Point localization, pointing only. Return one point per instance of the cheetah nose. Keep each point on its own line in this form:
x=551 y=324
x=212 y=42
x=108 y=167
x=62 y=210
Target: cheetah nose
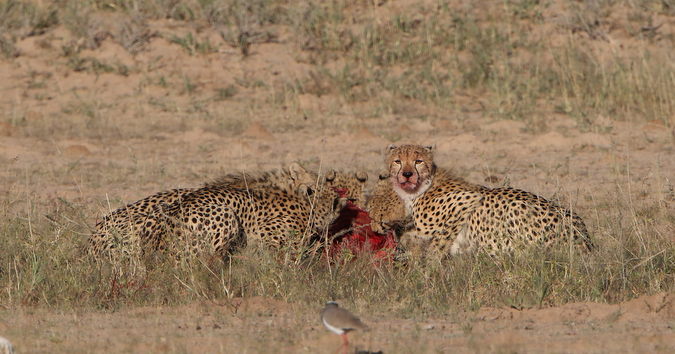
x=407 y=174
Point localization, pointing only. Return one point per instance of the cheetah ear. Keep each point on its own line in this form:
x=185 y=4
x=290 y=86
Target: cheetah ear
x=430 y=148
x=330 y=176
x=297 y=171
x=362 y=176
x=391 y=147
x=383 y=176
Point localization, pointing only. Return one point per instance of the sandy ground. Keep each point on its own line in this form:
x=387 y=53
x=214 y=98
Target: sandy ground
x=98 y=140
x=646 y=324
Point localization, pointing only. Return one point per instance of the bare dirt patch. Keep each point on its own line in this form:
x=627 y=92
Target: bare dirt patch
x=258 y=324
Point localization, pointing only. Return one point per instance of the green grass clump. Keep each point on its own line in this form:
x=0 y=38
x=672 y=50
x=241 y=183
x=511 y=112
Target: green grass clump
x=192 y=45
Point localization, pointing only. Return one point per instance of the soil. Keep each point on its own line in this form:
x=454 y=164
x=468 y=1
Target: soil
x=645 y=324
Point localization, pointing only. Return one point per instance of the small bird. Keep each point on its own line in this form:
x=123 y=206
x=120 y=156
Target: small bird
x=340 y=321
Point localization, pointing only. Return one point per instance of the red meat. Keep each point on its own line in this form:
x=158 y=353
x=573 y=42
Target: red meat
x=359 y=238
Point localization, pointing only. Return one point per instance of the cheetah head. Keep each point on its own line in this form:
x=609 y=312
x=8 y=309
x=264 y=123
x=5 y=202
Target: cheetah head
x=354 y=184
x=326 y=203
x=411 y=168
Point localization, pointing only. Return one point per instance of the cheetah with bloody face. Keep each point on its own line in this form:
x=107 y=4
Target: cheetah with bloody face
x=353 y=184
x=456 y=216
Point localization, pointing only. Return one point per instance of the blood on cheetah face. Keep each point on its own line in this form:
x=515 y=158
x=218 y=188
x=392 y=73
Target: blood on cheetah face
x=410 y=166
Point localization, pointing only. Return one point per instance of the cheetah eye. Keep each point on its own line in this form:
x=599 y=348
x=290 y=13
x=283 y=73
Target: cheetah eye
x=418 y=161
x=397 y=161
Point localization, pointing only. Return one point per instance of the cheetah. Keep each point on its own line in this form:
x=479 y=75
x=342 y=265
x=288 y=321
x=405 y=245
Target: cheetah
x=217 y=220
x=148 y=224
x=354 y=184
x=271 y=220
x=385 y=208
x=128 y=231
x=456 y=216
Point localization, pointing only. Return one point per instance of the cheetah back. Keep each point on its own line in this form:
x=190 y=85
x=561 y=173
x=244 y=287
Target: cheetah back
x=289 y=179
x=509 y=219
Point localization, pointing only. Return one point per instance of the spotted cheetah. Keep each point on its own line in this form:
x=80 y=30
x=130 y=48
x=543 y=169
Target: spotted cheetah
x=220 y=219
x=265 y=217
x=353 y=183
x=456 y=216
x=127 y=231
x=385 y=207
x=148 y=224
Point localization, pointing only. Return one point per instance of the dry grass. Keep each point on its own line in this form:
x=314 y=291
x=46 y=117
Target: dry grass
x=436 y=54
x=43 y=264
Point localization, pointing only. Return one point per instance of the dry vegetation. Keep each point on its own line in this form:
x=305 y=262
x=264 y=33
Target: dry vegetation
x=104 y=102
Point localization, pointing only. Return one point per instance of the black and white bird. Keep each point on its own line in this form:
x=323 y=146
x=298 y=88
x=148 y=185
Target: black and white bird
x=340 y=321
